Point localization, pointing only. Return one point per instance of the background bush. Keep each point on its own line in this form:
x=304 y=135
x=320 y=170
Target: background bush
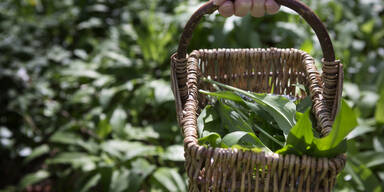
x=85 y=98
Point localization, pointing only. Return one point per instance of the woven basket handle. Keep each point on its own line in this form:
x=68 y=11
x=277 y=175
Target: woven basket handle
x=302 y=9
x=332 y=69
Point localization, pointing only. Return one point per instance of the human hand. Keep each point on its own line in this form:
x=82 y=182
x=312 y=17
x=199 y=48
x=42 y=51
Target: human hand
x=240 y=8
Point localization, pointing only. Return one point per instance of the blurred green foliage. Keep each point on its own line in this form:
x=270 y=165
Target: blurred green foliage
x=85 y=96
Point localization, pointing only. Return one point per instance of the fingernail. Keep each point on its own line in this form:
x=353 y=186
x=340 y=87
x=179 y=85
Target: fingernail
x=272 y=7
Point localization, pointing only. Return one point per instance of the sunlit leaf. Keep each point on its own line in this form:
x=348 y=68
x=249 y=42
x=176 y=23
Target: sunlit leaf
x=37 y=152
x=76 y=159
x=170 y=179
x=280 y=108
x=234 y=138
x=212 y=139
x=379 y=114
x=91 y=183
x=103 y=128
x=174 y=153
x=126 y=150
x=344 y=123
x=33 y=178
x=300 y=138
x=118 y=120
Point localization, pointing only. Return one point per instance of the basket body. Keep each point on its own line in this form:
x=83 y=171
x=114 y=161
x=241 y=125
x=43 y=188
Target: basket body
x=271 y=70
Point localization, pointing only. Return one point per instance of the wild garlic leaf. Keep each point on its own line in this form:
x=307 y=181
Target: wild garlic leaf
x=207 y=119
x=235 y=138
x=379 y=113
x=302 y=141
x=236 y=116
x=280 y=108
x=230 y=95
x=300 y=137
x=212 y=139
x=231 y=120
x=265 y=134
x=333 y=143
x=304 y=104
x=200 y=121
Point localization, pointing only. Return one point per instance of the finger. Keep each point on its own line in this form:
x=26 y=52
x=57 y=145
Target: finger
x=226 y=9
x=271 y=6
x=242 y=7
x=258 y=9
x=218 y=2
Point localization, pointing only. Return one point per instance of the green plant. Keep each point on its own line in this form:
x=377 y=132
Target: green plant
x=239 y=117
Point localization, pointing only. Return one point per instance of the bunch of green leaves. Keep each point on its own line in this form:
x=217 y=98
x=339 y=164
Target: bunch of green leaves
x=301 y=139
x=238 y=117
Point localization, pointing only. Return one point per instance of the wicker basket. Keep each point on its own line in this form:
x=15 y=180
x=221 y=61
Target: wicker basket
x=264 y=71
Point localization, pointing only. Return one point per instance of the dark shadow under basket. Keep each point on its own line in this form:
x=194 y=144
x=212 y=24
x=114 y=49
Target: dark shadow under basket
x=271 y=70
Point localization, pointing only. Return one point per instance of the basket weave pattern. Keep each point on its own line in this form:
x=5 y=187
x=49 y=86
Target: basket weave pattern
x=264 y=71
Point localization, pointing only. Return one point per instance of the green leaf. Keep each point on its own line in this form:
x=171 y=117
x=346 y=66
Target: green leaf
x=37 y=152
x=118 y=120
x=124 y=179
x=106 y=95
x=212 y=139
x=378 y=144
x=265 y=130
x=69 y=138
x=82 y=72
x=170 y=179
x=304 y=104
x=307 y=46
x=235 y=117
x=302 y=141
x=125 y=150
x=279 y=107
x=208 y=120
x=363 y=176
x=162 y=91
x=223 y=95
x=371 y=158
x=143 y=133
x=360 y=130
x=120 y=180
x=379 y=114
x=300 y=137
x=33 y=178
x=91 y=183
x=103 y=128
x=174 y=153
x=65 y=137
x=320 y=151
x=200 y=120
x=249 y=139
x=140 y=170
x=344 y=123
x=351 y=91
x=367 y=27
x=231 y=120
x=78 y=160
